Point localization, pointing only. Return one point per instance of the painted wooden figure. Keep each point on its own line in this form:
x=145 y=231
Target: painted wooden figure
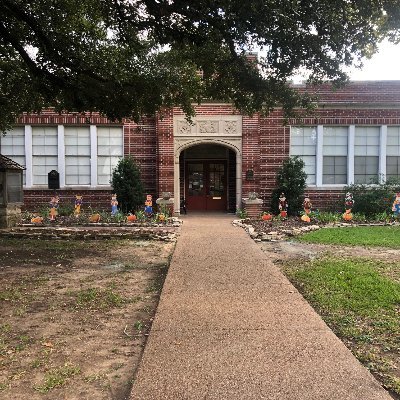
x=148 y=209
x=54 y=202
x=283 y=205
x=78 y=204
x=396 y=206
x=114 y=204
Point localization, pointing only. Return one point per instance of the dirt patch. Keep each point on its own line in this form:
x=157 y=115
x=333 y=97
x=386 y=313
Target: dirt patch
x=75 y=315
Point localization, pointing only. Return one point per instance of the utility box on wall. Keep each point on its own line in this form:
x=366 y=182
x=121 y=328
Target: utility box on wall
x=11 y=192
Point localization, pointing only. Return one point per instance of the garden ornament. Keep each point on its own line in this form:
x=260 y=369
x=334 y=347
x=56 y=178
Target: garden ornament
x=78 y=203
x=114 y=204
x=283 y=205
x=348 y=203
x=148 y=209
x=53 y=207
x=396 y=206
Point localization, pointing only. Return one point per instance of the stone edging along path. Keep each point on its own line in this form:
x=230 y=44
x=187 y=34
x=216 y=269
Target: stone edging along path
x=166 y=233
x=276 y=233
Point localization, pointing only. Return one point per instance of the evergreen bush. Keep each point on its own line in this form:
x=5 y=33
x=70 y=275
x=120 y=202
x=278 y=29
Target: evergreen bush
x=127 y=185
x=371 y=200
x=291 y=180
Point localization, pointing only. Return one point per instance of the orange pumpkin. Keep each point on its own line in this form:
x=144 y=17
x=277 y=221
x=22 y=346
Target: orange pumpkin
x=37 y=220
x=94 y=218
x=131 y=218
x=266 y=217
x=283 y=214
x=347 y=216
x=305 y=218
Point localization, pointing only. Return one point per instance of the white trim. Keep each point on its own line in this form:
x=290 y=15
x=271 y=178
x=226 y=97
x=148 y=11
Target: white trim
x=61 y=154
x=350 y=154
x=382 y=153
x=28 y=156
x=319 y=163
x=93 y=156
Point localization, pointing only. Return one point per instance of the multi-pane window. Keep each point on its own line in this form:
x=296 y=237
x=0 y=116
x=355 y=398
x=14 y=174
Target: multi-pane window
x=77 y=155
x=393 y=152
x=335 y=155
x=366 y=154
x=12 y=145
x=44 y=153
x=303 y=142
x=109 y=151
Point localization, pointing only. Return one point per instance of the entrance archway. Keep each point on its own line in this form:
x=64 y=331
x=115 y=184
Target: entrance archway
x=207 y=175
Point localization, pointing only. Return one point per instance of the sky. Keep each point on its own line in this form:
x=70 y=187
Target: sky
x=384 y=65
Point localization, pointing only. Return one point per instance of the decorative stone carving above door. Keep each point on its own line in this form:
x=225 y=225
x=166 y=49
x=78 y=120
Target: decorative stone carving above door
x=212 y=126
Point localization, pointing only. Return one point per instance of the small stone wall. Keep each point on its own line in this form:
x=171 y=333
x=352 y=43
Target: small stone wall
x=165 y=233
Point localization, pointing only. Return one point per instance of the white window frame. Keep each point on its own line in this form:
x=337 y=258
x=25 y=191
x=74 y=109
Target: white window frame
x=350 y=156
x=61 y=159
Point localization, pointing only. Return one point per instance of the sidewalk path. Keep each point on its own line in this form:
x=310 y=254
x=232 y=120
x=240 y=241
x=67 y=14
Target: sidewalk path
x=230 y=326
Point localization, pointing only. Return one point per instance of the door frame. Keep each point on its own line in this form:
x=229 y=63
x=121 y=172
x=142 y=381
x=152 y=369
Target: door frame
x=210 y=204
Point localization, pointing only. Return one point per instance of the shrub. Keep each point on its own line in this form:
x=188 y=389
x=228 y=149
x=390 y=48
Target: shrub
x=291 y=180
x=127 y=185
x=373 y=199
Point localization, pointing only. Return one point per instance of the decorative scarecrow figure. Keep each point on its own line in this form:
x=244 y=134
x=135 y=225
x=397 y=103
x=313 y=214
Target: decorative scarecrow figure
x=114 y=204
x=148 y=209
x=283 y=205
x=78 y=203
x=396 y=206
x=54 y=202
x=349 y=204
x=307 y=209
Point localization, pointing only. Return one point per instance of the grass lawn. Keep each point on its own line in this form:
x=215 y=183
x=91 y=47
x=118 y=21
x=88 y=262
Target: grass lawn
x=382 y=236
x=360 y=300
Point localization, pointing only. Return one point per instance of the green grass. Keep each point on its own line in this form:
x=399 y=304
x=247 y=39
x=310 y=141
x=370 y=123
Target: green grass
x=381 y=236
x=57 y=377
x=360 y=304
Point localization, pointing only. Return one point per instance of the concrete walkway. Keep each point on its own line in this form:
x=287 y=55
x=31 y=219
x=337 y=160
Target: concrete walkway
x=230 y=326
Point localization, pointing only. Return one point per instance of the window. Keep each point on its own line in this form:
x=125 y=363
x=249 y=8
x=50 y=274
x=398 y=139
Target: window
x=77 y=155
x=335 y=155
x=109 y=151
x=393 y=152
x=13 y=145
x=303 y=143
x=44 y=153
x=366 y=154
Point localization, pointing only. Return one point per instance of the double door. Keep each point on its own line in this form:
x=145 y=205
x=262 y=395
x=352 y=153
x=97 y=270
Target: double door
x=206 y=186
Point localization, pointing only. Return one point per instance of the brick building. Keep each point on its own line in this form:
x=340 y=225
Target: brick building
x=353 y=136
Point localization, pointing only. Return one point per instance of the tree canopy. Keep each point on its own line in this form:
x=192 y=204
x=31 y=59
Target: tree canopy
x=128 y=58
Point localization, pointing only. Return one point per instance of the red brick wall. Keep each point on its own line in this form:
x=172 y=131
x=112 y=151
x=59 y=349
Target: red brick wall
x=98 y=200
x=266 y=140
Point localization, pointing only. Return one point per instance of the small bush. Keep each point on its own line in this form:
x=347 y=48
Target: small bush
x=127 y=185
x=291 y=180
x=371 y=200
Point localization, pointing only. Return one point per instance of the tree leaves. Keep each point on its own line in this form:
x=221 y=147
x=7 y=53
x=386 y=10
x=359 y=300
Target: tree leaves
x=128 y=58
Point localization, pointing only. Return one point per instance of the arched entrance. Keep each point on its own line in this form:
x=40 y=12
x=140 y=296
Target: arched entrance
x=207 y=176
x=208 y=162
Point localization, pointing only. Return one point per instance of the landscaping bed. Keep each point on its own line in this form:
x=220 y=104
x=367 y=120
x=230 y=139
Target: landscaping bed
x=75 y=314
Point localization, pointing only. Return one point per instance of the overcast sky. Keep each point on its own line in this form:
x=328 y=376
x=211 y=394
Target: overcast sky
x=384 y=65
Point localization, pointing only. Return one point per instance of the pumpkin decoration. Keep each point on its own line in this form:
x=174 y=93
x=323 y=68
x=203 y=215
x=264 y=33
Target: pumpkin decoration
x=283 y=214
x=305 y=218
x=161 y=217
x=347 y=216
x=266 y=217
x=131 y=217
x=37 y=220
x=94 y=218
